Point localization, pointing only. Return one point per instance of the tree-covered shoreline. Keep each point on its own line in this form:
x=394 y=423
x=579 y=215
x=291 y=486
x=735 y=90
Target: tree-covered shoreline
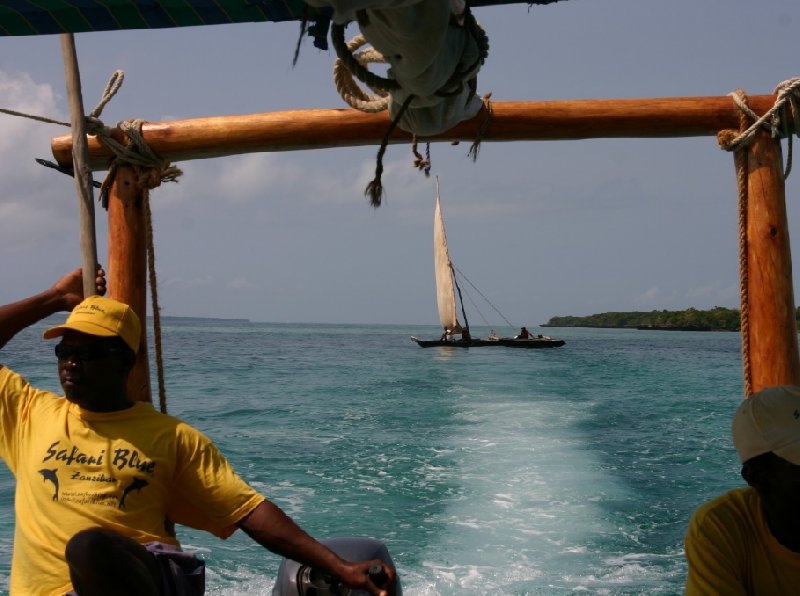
x=717 y=319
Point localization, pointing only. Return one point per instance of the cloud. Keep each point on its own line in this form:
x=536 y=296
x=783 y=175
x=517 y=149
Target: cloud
x=249 y=178
x=702 y=297
x=650 y=295
x=202 y=281
x=37 y=205
x=20 y=136
x=21 y=93
x=23 y=226
x=240 y=283
x=238 y=180
x=654 y=298
x=713 y=294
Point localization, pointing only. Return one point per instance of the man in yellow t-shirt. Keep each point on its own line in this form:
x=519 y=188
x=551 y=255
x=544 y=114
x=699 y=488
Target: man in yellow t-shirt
x=101 y=480
x=747 y=541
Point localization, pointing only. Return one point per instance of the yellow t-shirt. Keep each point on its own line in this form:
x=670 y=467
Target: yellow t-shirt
x=135 y=471
x=731 y=551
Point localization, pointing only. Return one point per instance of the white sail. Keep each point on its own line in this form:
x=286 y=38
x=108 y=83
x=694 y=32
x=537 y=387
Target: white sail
x=445 y=292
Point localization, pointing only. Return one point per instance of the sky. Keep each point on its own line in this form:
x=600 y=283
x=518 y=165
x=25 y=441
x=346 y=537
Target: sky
x=542 y=228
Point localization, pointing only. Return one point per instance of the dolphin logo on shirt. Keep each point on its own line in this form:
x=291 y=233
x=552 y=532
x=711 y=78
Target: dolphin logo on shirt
x=52 y=477
x=136 y=485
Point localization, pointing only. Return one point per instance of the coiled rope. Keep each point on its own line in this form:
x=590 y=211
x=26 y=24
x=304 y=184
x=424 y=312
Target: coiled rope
x=348 y=89
x=350 y=63
x=344 y=53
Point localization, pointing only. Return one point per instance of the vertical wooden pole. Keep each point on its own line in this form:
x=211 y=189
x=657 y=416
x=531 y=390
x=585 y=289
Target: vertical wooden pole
x=127 y=266
x=80 y=160
x=773 y=330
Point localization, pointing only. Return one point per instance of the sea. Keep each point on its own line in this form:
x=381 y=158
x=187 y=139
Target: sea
x=491 y=470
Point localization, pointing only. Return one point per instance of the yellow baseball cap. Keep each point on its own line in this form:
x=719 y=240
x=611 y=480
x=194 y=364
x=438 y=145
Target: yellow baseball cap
x=769 y=421
x=104 y=317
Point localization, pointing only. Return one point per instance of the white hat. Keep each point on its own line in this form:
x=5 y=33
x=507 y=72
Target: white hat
x=769 y=421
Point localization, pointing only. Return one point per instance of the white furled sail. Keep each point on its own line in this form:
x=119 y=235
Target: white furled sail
x=445 y=291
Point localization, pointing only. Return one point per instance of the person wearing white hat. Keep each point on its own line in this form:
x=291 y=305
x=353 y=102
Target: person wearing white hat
x=747 y=541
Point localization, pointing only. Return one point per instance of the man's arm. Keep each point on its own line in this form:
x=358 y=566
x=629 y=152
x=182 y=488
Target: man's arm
x=273 y=529
x=65 y=294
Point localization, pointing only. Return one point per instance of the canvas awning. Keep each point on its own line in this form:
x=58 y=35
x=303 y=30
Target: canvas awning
x=47 y=17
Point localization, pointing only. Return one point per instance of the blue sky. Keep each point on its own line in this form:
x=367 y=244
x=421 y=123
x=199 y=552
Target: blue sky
x=542 y=228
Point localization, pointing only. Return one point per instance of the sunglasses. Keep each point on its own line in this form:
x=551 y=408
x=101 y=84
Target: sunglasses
x=84 y=353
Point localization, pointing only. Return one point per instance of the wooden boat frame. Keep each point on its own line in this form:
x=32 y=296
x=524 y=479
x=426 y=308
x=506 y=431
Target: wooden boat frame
x=770 y=354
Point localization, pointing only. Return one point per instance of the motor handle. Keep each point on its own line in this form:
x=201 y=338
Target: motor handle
x=378 y=576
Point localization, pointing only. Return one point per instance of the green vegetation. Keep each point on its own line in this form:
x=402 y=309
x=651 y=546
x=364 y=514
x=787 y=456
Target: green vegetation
x=716 y=319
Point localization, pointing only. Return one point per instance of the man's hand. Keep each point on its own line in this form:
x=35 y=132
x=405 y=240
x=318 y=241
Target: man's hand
x=70 y=287
x=65 y=294
x=356 y=575
x=269 y=525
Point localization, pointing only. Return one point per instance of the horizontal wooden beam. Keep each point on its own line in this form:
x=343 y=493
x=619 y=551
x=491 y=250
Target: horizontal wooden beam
x=219 y=136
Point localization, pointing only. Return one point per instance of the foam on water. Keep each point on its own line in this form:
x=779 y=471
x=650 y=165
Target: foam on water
x=487 y=471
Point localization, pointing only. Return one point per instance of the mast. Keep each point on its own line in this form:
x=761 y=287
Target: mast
x=465 y=329
x=127 y=266
x=772 y=339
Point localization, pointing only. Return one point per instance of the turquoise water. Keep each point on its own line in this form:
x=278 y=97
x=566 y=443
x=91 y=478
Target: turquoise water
x=485 y=471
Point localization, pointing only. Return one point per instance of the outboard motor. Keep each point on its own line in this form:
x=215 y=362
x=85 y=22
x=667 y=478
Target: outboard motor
x=295 y=579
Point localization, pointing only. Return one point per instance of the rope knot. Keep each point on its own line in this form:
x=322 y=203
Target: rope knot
x=726 y=137
x=151 y=169
x=775 y=120
x=421 y=163
x=476 y=144
x=152 y=177
x=95 y=126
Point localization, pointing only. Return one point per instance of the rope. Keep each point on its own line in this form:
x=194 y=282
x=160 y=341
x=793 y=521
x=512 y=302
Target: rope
x=421 y=163
x=476 y=144
x=349 y=90
x=478 y=310
x=374 y=189
x=150 y=169
x=113 y=85
x=726 y=138
x=303 y=30
x=349 y=64
x=788 y=93
x=474 y=287
x=34 y=117
x=151 y=268
x=371 y=80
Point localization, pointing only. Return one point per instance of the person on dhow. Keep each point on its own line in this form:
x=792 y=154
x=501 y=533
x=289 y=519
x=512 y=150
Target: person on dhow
x=101 y=480
x=747 y=541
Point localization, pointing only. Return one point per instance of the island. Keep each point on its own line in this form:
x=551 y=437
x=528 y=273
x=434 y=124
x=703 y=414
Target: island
x=718 y=318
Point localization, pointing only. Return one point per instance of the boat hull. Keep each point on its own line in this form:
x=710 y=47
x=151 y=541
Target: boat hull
x=535 y=342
